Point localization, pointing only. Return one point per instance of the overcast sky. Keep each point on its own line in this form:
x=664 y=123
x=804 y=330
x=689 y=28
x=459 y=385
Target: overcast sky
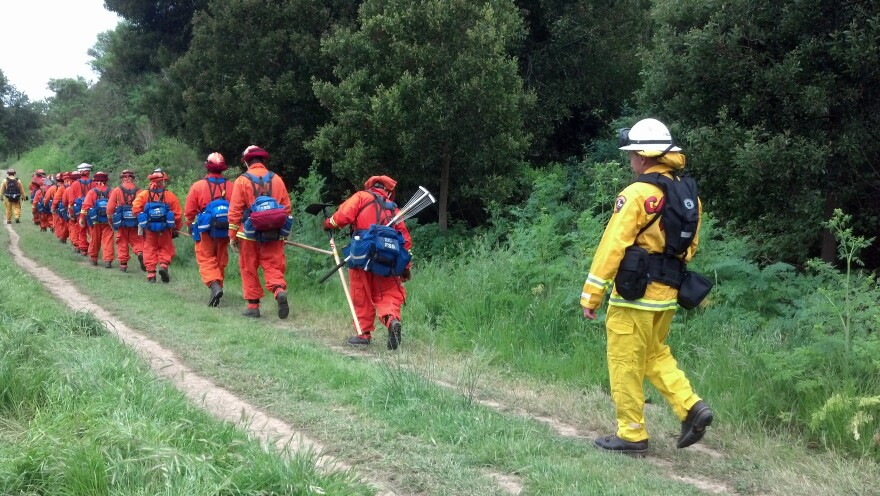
x=48 y=39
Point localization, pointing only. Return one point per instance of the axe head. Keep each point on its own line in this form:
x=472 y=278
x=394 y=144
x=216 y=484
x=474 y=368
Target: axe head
x=316 y=208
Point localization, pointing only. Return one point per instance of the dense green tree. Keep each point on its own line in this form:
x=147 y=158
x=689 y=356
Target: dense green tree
x=428 y=93
x=777 y=101
x=247 y=76
x=582 y=61
x=20 y=120
x=166 y=21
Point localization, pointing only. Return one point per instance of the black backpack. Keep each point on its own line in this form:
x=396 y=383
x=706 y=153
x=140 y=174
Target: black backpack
x=12 y=192
x=680 y=210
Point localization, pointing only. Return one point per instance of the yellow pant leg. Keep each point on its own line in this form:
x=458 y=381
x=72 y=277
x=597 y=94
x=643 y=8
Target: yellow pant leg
x=16 y=207
x=7 y=206
x=627 y=330
x=662 y=369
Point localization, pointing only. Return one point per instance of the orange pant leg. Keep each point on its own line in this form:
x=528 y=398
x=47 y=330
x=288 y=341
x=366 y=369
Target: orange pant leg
x=151 y=250
x=94 y=242
x=106 y=239
x=360 y=285
x=62 y=229
x=74 y=229
x=122 y=252
x=212 y=257
x=83 y=240
x=249 y=265
x=45 y=221
x=388 y=296
x=165 y=247
x=274 y=264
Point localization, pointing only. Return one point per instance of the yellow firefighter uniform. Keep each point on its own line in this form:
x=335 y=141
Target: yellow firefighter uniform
x=637 y=329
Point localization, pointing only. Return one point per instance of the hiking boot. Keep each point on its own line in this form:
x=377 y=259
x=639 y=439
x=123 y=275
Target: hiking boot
x=94 y=262
x=216 y=294
x=163 y=273
x=253 y=313
x=283 y=307
x=62 y=241
x=123 y=268
x=107 y=265
x=615 y=444
x=394 y=334
x=694 y=426
x=360 y=339
x=141 y=260
x=17 y=221
x=9 y=222
x=151 y=280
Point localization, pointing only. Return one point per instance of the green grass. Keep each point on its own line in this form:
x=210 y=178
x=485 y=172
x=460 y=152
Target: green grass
x=81 y=414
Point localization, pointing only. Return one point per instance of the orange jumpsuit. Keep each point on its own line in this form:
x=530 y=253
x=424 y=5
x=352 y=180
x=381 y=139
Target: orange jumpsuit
x=61 y=231
x=158 y=246
x=48 y=219
x=101 y=232
x=79 y=236
x=371 y=294
x=36 y=184
x=254 y=255
x=125 y=236
x=212 y=255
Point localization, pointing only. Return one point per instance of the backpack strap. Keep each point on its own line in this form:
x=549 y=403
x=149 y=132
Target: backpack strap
x=216 y=184
x=260 y=183
x=128 y=195
x=156 y=195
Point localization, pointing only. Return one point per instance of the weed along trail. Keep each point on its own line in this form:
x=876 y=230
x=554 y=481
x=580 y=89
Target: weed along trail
x=200 y=390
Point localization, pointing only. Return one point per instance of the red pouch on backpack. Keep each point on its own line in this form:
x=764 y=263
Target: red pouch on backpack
x=268 y=220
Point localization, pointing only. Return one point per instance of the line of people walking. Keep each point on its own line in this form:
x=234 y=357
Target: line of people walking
x=250 y=215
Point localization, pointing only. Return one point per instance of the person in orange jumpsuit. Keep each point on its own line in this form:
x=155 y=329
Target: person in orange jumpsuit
x=101 y=231
x=373 y=294
x=37 y=202
x=159 y=245
x=127 y=238
x=49 y=215
x=36 y=184
x=60 y=210
x=212 y=253
x=253 y=255
x=79 y=235
x=67 y=199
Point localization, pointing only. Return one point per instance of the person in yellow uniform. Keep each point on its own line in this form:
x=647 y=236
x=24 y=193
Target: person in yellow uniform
x=637 y=326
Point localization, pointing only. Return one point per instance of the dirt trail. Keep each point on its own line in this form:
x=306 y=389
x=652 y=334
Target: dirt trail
x=200 y=390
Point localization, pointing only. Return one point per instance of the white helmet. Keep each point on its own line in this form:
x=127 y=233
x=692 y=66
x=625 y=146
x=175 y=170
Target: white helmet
x=648 y=135
x=84 y=166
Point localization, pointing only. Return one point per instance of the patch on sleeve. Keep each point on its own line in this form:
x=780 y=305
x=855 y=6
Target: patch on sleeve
x=619 y=203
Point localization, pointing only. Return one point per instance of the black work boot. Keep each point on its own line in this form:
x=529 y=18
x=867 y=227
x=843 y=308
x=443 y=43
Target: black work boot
x=141 y=260
x=394 y=329
x=163 y=273
x=123 y=268
x=216 y=294
x=615 y=444
x=108 y=265
x=94 y=262
x=253 y=313
x=694 y=426
x=283 y=307
x=360 y=339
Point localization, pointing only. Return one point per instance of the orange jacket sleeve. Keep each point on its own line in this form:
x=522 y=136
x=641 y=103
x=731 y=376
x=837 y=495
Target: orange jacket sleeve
x=137 y=206
x=88 y=203
x=113 y=199
x=174 y=204
x=195 y=200
x=59 y=193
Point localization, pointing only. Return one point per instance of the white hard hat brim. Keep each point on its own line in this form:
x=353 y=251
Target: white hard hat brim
x=649 y=147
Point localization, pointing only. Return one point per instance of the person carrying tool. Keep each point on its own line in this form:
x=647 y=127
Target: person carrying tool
x=12 y=190
x=36 y=184
x=207 y=211
x=68 y=198
x=373 y=294
x=124 y=221
x=60 y=210
x=78 y=195
x=94 y=214
x=160 y=218
x=635 y=256
x=49 y=215
x=259 y=222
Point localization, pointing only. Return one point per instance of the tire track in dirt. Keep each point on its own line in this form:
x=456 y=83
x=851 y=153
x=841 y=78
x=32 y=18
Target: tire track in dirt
x=219 y=402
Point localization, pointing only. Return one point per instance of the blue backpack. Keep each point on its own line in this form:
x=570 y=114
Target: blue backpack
x=157 y=216
x=78 y=203
x=98 y=213
x=214 y=219
x=379 y=249
x=266 y=219
x=123 y=216
x=61 y=211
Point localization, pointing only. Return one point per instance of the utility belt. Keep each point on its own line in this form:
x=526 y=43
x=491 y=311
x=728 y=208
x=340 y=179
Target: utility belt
x=638 y=268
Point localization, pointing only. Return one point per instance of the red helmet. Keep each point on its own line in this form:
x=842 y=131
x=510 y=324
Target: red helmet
x=65 y=175
x=40 y=172
x=158 y=175
x=59 y=176
x=126 y=173
x=75 y=174
x=254 y=151
x=215 y=163
x=101 y=177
